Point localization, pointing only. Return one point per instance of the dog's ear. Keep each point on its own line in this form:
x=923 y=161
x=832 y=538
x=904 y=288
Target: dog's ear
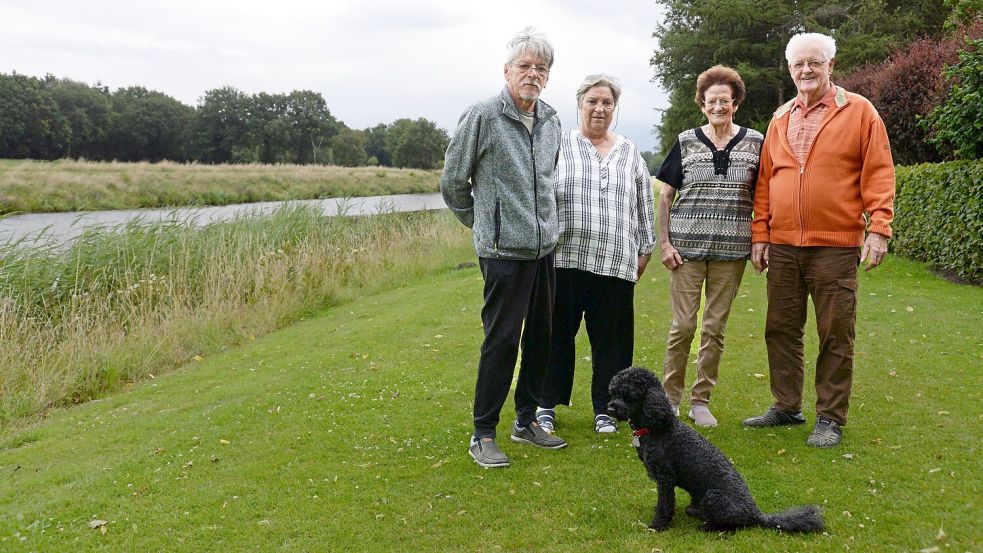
x=657 y=414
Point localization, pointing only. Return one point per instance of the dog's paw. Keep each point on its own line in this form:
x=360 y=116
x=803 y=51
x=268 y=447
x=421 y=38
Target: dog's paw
x=659 y=525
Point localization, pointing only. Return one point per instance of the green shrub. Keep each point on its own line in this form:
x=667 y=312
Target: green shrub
x=939 y=216
x=957 y=122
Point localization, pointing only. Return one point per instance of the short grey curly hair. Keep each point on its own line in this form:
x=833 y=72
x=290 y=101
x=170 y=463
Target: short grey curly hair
x=590 y=81
x=825 y=42
x=530 y=41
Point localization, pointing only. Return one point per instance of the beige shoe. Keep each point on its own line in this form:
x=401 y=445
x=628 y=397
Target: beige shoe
x=702 y=416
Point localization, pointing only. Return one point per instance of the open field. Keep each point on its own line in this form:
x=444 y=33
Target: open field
x=45 y=186
x=347 y=432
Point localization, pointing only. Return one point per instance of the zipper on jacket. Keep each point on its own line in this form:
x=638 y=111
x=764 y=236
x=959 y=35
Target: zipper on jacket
x=802 y=193
x=498 y=221
x=535 y=192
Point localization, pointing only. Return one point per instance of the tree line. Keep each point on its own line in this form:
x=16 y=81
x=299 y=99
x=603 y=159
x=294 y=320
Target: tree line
x=874 y=38
x=54 y=118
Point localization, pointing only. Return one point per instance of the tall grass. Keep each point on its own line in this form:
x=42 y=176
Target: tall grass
x=67 y=185
x=123 y=304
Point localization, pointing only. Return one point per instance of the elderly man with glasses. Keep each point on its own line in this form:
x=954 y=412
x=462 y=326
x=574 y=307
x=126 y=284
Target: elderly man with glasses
x=825 y=188
x=498 y=181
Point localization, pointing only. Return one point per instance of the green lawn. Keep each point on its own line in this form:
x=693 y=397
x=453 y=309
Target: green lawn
x=348 y=432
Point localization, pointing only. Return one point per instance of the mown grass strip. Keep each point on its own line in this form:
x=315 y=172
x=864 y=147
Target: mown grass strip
x=347 y=432
x=46 y=186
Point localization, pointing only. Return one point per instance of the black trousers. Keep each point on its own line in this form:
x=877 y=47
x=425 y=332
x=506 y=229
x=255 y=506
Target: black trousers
x=606 y=304
x=517 y=294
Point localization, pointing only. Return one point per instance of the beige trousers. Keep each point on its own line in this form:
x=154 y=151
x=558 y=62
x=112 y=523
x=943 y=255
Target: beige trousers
x=722 y=279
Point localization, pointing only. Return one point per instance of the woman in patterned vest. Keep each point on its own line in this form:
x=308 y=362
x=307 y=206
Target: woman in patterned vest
x=704 y=214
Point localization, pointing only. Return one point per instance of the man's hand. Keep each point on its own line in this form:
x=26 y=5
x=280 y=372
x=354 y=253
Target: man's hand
x=643 y=261
x=670 y=257
x=875 y=248
x=759 y=256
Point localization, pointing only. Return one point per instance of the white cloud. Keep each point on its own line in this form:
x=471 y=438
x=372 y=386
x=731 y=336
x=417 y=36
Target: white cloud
x=374 y=60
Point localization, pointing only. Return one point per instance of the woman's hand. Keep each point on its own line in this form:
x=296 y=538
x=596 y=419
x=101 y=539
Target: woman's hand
x=670 y=257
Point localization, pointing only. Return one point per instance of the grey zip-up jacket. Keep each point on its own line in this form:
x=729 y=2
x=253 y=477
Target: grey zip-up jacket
x=499 y=180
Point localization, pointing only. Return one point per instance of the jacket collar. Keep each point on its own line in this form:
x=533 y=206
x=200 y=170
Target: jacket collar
x=839 y=99
x=543 y=110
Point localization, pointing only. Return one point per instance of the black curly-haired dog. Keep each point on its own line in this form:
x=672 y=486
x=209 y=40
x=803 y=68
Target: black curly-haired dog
x=676 y=455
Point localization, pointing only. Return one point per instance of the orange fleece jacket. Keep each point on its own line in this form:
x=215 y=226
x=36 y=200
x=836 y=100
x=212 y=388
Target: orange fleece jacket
x=848 y=173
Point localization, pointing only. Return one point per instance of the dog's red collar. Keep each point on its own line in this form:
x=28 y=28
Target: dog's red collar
x=640 y=432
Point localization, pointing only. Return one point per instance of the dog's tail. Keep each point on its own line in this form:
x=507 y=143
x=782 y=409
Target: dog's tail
x=795 y=519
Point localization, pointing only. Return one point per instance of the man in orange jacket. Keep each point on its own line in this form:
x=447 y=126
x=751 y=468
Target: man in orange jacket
x=826 y=180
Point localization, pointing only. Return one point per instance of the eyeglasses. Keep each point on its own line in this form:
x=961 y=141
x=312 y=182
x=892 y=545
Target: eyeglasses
x=524 y=68
x=813 y=64
x=719 y=102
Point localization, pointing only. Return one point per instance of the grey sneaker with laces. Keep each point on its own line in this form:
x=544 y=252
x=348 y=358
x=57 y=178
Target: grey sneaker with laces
x=535 y=435
x=487 y=454
x=826 y=433
x=776 y=417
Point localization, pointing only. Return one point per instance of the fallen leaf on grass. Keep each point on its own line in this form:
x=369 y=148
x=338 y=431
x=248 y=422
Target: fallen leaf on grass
x=438 y=464
x=933 y=549
x=758 y=375
x=264 y=522
x=780 y=452
x=848 y=456
x=930 y=471
x=944 y=413
x=197 y=358
x=98 y=524
x=158 y=450
x=941 y=535
x=224 y=442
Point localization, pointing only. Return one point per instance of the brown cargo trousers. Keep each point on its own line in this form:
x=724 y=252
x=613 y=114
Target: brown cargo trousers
x=829 y=275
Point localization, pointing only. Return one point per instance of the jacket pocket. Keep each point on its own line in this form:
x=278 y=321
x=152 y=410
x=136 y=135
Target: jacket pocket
x=498 y=221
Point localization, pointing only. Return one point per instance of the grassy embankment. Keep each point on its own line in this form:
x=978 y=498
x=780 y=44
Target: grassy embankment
x=118 y=307
x=347 y=431
x=47 y=186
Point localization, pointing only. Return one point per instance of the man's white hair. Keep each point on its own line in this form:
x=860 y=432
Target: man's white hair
x=529 y=41
x=802 y=40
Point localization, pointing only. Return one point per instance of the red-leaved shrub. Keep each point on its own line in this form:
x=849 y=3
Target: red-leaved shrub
x=907 y=86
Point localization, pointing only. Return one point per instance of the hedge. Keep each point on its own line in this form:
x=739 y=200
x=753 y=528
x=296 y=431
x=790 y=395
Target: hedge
x=939 y=216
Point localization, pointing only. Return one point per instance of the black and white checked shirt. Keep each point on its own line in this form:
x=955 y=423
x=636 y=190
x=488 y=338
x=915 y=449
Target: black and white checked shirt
x=606 y=207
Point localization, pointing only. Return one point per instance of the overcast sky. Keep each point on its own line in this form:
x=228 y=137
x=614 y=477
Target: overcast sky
x=373 y=60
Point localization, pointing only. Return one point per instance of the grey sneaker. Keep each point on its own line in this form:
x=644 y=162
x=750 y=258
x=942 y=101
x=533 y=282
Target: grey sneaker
x=546 y=419
x=535 y=435
x=487 y=454
x=826 y=433
x=776 y=417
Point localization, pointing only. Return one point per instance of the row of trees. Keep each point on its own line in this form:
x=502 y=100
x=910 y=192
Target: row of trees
x=750 y=35
x=52 y=118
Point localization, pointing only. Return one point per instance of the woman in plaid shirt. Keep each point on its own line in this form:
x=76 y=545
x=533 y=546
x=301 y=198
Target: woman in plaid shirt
x=606 y=211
